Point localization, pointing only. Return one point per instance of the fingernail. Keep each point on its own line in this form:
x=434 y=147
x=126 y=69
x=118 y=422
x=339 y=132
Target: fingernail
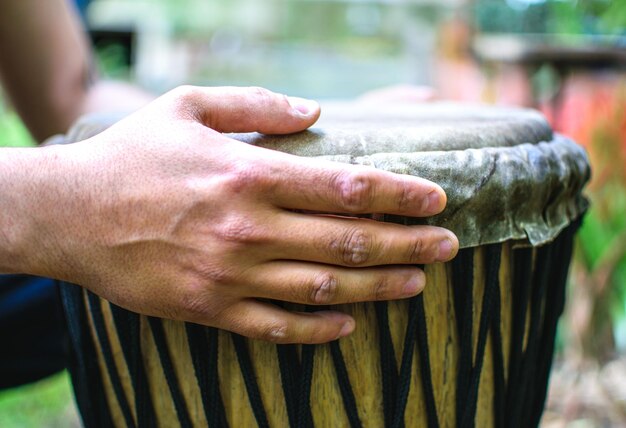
x=346 y=329
x=445 y=250
x=302 y=105
x=413 y=285
x=431 y=202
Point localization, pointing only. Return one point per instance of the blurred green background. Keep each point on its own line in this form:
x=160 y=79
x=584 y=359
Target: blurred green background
x=341 y=49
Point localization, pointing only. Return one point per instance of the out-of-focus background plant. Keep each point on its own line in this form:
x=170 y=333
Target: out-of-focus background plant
x=565 y=57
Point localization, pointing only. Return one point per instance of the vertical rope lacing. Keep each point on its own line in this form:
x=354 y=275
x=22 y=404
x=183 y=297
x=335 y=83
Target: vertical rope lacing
x=203 y=345
x=249 y=378
x=158 y=334
x=107 y=354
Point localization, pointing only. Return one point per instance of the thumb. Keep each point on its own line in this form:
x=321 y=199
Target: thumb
x=252 y=109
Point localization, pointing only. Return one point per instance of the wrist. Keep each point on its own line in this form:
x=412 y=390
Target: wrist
x=25 y=201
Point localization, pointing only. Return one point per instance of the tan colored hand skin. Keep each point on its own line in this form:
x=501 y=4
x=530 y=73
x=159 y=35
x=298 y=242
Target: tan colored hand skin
x=164 y=215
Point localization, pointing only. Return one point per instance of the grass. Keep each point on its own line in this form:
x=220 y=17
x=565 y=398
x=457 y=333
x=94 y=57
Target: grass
x=47 y=403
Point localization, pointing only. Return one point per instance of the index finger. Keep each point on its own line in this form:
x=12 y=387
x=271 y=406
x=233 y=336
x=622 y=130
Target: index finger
x=315 y=184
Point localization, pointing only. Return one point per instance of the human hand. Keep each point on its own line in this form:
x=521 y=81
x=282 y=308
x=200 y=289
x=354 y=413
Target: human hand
x=164 y=215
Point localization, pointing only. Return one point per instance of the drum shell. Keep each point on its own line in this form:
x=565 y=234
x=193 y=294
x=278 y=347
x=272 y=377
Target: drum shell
x=361 y=352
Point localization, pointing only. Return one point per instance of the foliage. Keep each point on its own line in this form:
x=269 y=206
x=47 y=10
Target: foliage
x=600 y=268
x=588 y=16
x=110 y=60
x=551 y=16
x=12 y=130
x=47 y=403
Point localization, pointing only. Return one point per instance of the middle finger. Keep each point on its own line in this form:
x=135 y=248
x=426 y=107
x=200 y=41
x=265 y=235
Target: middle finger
x=356 y=242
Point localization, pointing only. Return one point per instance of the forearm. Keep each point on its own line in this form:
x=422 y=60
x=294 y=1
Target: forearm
x=17 y=197
x=39 y=205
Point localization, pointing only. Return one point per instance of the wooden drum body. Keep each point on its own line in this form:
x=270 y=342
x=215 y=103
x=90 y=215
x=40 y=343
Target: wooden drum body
x=474 y=349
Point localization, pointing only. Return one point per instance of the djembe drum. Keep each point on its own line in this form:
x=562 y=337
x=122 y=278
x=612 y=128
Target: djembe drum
x=474 y=349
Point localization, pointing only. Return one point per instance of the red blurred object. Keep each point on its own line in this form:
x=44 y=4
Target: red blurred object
x=593 y=112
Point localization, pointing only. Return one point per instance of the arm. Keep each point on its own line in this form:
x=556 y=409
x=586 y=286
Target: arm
x=46 y=67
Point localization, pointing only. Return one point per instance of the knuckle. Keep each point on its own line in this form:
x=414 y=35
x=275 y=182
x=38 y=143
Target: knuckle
x=275 y=332
x=193 y=305
x=245 y=177
x=183 y=90
x=263 y=96
x=415 y=250
x=218 y=275
x=196 y=306
x=406 y=197
x=355 y=191
x=240 y=230
x=185 y=93
x=214 y=273
x=381 y=288
x=324 y=289
x=354 y=248
x=313 y=336
x=185 y=100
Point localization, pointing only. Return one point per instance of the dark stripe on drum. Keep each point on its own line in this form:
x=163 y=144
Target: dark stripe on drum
x=422 y=347
x=499 y=388
x=107 y=354
x=158 y=333
x=416 y=322
x=388 y=367
x=492 y=283
x=463 y=290
x=305 y=418
x=249 y=378
x=203 y=341
x=402 y=388
x=294 y=372
x=289 y=371
x=83 y=365
x=521 y=284
x=127 y=325
x=347 y=394
x=554 y=305
x=529 y=359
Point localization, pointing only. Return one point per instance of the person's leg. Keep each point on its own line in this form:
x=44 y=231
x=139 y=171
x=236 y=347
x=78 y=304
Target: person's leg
x=33 y=336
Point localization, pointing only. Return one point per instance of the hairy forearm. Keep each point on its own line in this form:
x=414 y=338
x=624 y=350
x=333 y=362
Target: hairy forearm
x=17 y=193
x=39 y=207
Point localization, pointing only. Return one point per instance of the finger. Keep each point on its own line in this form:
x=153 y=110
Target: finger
x=260 y=320
x=359 y=242
x=317 y=284
x=314 y=184
x=235 y=109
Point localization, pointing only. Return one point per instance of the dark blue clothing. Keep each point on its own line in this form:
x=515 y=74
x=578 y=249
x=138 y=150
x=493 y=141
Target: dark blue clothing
x=33 y=336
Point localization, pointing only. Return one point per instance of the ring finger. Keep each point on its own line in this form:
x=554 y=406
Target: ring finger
x=318 y=284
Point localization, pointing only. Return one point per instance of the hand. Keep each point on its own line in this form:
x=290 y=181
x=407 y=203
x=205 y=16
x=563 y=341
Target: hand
x=164 y=215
